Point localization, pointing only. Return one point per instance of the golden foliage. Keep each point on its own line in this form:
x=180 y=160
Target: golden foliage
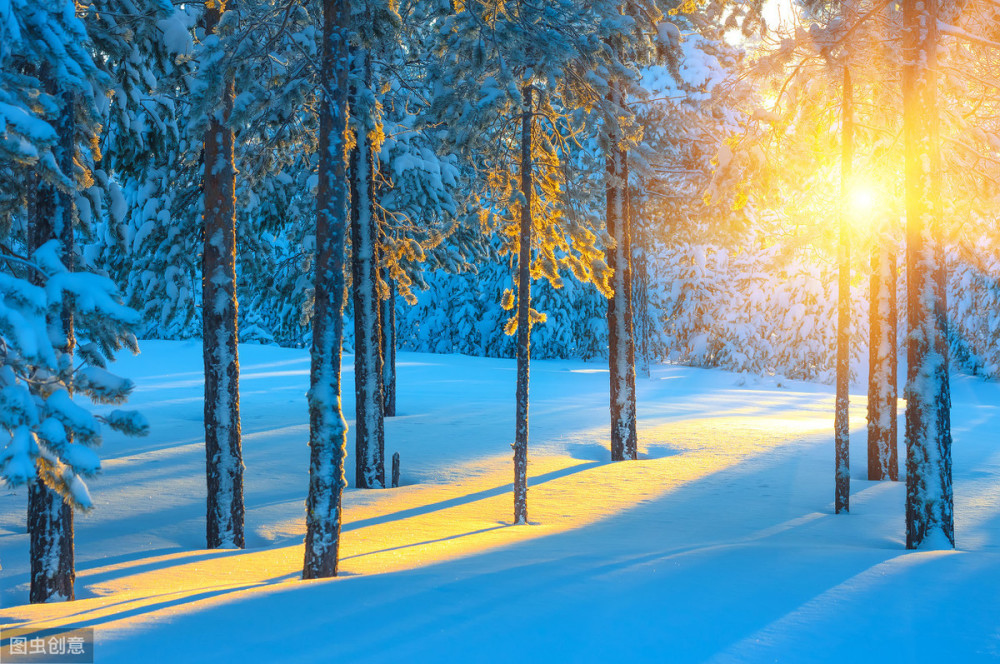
x=507 y=300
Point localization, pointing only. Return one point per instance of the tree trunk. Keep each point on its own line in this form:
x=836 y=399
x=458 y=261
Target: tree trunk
x=389 y=350
x=640 y=284
x=369 y=439
x=632 y=447
x=842 y=427
x=50 y=518
x=223 y=446
x=327 y=428
x=523 y=319
x=882 y=392
x=929 y=506
x=621 y=348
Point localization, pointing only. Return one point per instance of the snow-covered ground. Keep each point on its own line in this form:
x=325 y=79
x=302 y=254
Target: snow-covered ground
x=719 y=545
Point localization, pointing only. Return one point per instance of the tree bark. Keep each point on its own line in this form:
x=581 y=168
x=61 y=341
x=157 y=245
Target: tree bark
x=50 y=518
x=389 y=350
x=929 y=503
x=523 y=318
x=223 y=444
x=882 y=380
x=327 y=427
x=841 y=417
x=369 y=438
x=621 y=346
x=640 y=285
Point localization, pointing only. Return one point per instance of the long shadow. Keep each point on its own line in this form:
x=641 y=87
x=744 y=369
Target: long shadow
x=582 y=568
x=209 y=593
x=149 y=608
x=553 y=573
x=431 y=541
x=139 y=567
x=468 y=498
x=142 y=567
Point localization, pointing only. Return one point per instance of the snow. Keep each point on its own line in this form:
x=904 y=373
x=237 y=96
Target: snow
x=176 y=38
x=719 y=544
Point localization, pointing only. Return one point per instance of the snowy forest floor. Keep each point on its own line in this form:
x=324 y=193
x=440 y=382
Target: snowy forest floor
x=720 y=544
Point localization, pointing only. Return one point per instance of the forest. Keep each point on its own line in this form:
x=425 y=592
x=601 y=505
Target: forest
x=280 y=274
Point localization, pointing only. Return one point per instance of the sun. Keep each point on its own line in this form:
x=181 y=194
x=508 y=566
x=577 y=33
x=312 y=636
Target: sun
x=861 y=201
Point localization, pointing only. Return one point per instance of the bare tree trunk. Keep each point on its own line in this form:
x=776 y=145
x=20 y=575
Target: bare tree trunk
x=621 y=349
x=50 y=518
x=882 y=391
x=929 y=503
x=640 y=284
x=327 y=427
x=632 y=445
x=223 y=444
x=523 y=318
x=389 y=349
x=842 y=429
x=369 y=438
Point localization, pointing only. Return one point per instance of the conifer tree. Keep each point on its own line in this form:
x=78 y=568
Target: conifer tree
x=883 y=362
x=621 y=341
x=523 y=312
x=223 y=445
x=50 y=219
x=842 y=427
x=327 y=427
x=50 y=89
x=369 y=433
x=929 y=506
x=557 y=58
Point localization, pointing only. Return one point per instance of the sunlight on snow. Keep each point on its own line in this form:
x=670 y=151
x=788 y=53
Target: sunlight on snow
x=422 y=524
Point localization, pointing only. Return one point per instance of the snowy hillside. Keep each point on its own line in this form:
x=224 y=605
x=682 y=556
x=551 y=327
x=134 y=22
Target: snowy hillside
x=719 y=544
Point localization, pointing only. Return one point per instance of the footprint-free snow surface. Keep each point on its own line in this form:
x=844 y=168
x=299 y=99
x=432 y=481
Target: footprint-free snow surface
x=719 y=544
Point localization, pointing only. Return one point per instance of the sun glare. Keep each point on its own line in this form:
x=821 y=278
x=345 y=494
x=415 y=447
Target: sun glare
x=861 y=202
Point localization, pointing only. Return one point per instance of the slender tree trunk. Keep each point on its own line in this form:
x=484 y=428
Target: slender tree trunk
x=389 y=349
x=223 y=446
x=842 y=426
x=882 y=395
x=883 y=345
x=369 y=439
x=50 y=518
x=929 y=506
x=632 y=445
x=621 y=348
x=523 y=319
x=327 y=427
x=640 y=284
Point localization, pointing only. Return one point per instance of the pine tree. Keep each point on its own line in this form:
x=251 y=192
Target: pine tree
x=51 y=212
x=369 y=433
x=223 y=445
x=842 y=427
x=621 y=342
x=883 y=314
x=562 y=52
x=327 y=428
x=146 y=237
x=929 y=503
x=49 y=92
x=523 y=313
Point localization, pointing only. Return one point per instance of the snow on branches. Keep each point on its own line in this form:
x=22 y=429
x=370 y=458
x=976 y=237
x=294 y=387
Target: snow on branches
x=49 y=436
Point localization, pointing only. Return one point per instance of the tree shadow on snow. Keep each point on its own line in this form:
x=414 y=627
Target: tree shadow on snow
x=468 y=498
